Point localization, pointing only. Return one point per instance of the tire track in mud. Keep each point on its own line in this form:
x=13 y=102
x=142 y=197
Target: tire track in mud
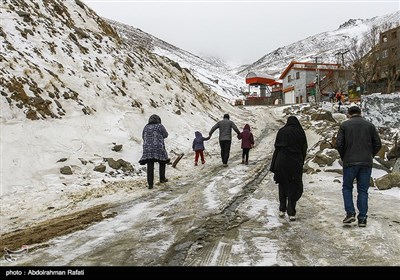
x=203 y=236
x=203 y=240
x=37 y=235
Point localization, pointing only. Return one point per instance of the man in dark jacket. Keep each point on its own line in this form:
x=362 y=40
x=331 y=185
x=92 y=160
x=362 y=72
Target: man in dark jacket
x=357 y=142
x=225 y=127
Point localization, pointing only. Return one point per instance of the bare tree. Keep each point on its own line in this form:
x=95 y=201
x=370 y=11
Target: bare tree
x=392 y=78
x=340 y=79
x=363 y=55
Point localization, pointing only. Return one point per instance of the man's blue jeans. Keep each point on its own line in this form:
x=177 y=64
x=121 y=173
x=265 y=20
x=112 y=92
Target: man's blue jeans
x=362 y=174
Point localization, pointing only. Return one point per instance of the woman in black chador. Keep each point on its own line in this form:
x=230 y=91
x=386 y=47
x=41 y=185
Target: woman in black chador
x=287 y=165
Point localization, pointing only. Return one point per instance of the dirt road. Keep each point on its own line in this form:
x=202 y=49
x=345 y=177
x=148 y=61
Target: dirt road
x=225 y=216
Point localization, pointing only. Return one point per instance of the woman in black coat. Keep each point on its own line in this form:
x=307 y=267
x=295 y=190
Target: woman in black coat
x=287 y=165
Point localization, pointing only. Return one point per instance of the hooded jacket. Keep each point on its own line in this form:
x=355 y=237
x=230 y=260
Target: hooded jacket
x=198 y=142
x=153 y=136
x=247 y=137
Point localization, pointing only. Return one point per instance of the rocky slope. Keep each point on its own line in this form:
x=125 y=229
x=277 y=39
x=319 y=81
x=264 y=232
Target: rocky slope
x=59 y=58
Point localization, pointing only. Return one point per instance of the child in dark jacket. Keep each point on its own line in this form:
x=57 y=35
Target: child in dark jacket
x=198 y=147
x=247 y=143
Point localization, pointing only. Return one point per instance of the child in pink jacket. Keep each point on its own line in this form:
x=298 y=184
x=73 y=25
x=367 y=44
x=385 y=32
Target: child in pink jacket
x=247 y=143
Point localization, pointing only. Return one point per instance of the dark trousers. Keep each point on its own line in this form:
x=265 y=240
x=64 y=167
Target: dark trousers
x=201 y=154
x=225 y=150
x=285 y=203
x=245 y=154
x=150 y=172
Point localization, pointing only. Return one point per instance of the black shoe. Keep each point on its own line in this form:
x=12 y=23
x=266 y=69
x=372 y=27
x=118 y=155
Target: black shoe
x=362 y=222
x=164 y=181
x=150 y=187
x=349 y=219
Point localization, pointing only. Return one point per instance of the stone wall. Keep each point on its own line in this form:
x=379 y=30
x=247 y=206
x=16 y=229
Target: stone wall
x=383 y=110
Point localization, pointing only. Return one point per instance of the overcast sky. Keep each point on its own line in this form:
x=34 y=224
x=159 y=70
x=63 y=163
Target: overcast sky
x=237 y=31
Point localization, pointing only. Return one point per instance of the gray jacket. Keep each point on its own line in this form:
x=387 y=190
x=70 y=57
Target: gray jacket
x=225 y=127
x=357 y=142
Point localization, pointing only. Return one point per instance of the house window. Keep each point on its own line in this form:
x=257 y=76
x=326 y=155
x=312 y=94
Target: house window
x=384 y=39
x=297 y=75
x=394 y=35
x=289 y=78
x=385 y=54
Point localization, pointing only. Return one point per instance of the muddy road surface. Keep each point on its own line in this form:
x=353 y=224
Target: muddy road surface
x=224 y=216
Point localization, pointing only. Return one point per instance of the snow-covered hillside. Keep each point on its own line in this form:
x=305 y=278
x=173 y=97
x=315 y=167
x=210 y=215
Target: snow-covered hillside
x=229 y=81
x=75 y=96
x=211 y=71
x=72 y=89
x=61 y=59
x=323 y=45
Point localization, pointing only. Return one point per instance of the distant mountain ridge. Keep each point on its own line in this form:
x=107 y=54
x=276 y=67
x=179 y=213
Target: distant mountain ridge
x=324 y=45
x=59 y=58
x=231 y=82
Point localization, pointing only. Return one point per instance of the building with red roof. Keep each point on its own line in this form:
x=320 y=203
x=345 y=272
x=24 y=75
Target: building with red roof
x=303 y=80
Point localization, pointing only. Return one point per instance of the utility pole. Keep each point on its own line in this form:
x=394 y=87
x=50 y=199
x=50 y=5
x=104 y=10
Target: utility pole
x=342 y=52
x=317 y=93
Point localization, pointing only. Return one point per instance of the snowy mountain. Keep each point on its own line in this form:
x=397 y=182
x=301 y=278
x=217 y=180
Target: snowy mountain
x=75 y=95
x=323 y=45
x=212 y=71
x=72 y=90
x=61 y=59
x=228 y=81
